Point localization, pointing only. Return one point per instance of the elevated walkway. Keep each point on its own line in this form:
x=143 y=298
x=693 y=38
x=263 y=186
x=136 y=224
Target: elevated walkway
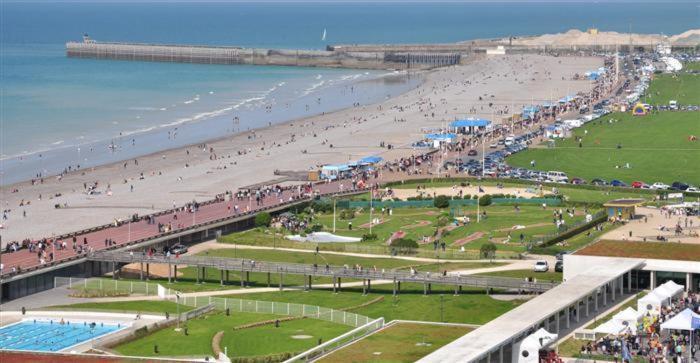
x=224 y=264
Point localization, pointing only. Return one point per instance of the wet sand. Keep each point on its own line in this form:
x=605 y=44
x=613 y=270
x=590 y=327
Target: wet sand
x=180 y=175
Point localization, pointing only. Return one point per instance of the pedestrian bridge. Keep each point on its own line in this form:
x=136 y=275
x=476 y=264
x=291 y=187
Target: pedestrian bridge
x=336 y=273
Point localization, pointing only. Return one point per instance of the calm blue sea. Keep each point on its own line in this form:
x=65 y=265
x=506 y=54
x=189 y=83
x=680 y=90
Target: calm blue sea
x=56 y=111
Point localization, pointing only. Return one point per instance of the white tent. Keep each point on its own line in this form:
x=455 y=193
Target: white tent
x=673 y=288
x=651 y=303
x=322 y=237
x=527 y=350
x=682 y=321
x=628 y=318
x=610 y=327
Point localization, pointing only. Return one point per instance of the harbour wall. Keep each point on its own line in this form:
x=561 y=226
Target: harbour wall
x=254 y=56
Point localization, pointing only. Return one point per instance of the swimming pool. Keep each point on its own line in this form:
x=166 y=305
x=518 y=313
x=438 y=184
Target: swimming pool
x=51 y=336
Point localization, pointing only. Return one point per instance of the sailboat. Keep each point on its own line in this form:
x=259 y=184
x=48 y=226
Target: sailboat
x=323 y=37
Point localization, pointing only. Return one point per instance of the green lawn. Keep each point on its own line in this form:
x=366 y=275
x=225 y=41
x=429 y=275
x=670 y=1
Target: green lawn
x=540 y=276
x=258 y=341
x=402 y=342
x=145 y=306
x=684 y=88
x=656 y=147
x=691 y=66
x=472 y=306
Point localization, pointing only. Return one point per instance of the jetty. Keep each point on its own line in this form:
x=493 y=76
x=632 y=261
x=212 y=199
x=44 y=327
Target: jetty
x=332 y=58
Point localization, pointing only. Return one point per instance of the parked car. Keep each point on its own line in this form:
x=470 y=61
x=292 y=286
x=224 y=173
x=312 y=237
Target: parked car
x=578 y=181
x=598 y=181
x=472 y=152
x=639 y=184
x=617 y=183
x=559 y=266
x=560 y=256
x=693 y=189
x=660 y=186
x=178 y=249
x=493 y=145
x=679 y=186
x=541 y=266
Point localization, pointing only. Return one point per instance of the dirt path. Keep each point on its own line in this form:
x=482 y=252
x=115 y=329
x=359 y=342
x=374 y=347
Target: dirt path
x=472 y=237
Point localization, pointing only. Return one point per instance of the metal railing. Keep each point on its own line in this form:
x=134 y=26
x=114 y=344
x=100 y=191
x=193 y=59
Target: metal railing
x=219 y=303
x=338 y=342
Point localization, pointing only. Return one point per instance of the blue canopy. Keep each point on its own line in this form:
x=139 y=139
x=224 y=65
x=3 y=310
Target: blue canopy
x=566 y=99
x=337 y=167
x=440 y=136
x=471 y=122
x=370 y=160
x=531 y=109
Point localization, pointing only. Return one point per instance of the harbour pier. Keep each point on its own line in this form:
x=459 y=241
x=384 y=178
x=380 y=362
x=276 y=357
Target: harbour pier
x=377 y=59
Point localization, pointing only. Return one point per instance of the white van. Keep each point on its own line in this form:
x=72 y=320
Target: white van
x=557 y=177
x=509 y=140
x=673 y=104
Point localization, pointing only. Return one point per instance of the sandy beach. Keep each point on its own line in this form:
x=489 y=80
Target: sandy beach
x=481 y=88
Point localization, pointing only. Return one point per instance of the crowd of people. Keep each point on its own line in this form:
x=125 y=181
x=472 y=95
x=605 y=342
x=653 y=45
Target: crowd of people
x=648 y=341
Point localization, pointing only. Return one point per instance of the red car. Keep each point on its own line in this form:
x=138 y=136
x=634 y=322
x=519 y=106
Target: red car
x=639 y=184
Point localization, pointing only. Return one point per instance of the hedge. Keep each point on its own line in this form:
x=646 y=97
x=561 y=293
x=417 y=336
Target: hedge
x=574 y=231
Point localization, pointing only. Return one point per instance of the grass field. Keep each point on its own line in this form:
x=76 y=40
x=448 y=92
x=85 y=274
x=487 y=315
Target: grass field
x=471 y=306
x=691 y=66
x=401 y=342
x=540 y=276
x=658 y=250
x=684 y=88
x=656 y=147
x=291 y=337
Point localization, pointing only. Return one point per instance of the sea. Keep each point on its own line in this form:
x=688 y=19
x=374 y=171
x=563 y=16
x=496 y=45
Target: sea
x=57 y=112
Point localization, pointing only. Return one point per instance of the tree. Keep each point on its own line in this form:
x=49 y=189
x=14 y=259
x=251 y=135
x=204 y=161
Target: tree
x=485 y=200
x=263 y=219
x=441 y=201
x=488 y=250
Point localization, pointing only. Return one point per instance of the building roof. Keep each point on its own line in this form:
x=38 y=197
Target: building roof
x=487 y=338
x=624 y=203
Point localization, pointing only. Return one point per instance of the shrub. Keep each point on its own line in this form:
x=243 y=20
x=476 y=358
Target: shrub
x=488 y=250
x=467 y=196
x=475 y=196
x=404 y=243
x=263 y=219
x=322 y=206
x=443 y=220
x=485 y=200
x=369 y=237
x=441 y=201
x=347 y=214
